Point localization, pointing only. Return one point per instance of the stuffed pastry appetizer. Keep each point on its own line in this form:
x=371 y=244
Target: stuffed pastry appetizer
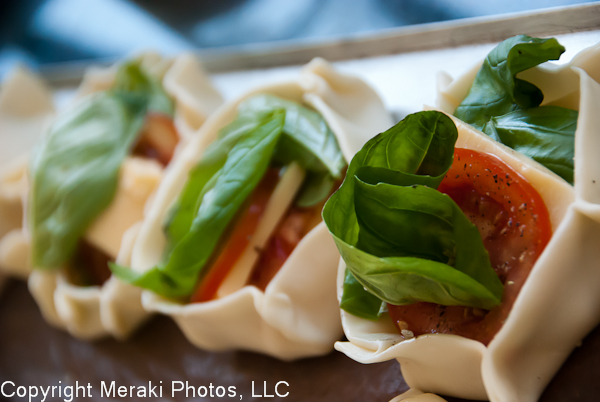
x=232 y=247
x=89 y=179
x=464 y=296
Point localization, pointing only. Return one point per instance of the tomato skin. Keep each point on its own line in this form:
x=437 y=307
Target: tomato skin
x=515 y=226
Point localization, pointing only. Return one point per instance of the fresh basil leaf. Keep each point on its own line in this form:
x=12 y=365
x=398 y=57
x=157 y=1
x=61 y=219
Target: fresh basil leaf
x=359 y=302
x=307 y=138
x=75 y=172
x=408 y=224
x=132 y=81
x=546 y=134
x=496 y=90
x=317 y=187
x=398 y=152
x=406 y=280
x=402 y=240
x=506 y=108
x=243 y=169
x=75 y=169
x=203 y=177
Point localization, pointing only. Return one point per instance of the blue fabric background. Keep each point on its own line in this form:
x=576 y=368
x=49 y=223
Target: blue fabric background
x=37 y=32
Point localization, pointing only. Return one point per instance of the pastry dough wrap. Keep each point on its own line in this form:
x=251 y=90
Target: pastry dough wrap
x=414 y=395
x=297 y=315
x=79 y=309
x=26 y=110
x=558 y=304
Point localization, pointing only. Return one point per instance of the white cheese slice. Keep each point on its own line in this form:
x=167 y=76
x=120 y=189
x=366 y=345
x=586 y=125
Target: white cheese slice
x=278 y=204
x=138 y=179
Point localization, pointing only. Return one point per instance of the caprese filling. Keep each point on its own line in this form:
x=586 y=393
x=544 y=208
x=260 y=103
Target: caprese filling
x=261 y=238
x=454 y=260
x=254 y=193
x=77 y=168
x=156 y=142
x=514 y=224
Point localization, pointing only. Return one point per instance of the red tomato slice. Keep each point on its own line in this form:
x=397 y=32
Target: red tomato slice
x=515 y=226
x=241 y=233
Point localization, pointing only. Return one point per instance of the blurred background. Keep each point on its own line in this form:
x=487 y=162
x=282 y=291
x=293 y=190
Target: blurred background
x=40 y=32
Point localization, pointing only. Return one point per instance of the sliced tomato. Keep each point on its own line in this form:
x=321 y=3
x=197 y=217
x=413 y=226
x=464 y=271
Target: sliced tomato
x=158 y=138
x=241 y=232
x=514 y=224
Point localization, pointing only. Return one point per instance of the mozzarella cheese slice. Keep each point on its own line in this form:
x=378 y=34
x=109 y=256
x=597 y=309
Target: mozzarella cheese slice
x=277 y=206
x=139 y=177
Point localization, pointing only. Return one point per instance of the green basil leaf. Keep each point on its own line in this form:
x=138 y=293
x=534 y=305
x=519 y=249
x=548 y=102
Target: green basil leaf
x=75 y=169
x=75 y=172
x=402 y=240
x=398 y=152
x=243 y=169
x=307 y=140
x=496 y=90
x=316 y=187
x=405 y=280
x=131 y=81
x=203 y=177
x=546 y=134
x=359 y=302
x=406 y=225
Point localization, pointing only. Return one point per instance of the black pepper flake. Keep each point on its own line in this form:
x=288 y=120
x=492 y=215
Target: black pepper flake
x=465 y=166
x=457 y=176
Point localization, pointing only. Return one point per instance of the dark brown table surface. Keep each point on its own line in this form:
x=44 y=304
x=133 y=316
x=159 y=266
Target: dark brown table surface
x=34 y=353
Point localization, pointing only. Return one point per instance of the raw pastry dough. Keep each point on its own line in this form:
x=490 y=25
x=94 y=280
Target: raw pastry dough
x=92 y=312
x=414 y=395
x=26 y=110
x=559 y=303
x=297 y=315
